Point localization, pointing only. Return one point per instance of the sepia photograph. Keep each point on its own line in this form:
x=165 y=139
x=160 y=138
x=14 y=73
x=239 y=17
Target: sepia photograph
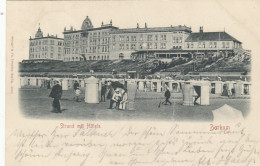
x=145 y=68
x=132 y=83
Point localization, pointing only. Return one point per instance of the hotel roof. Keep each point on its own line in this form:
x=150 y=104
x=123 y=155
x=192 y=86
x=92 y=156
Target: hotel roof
x=210 y=36
x=155 y=29
x=91 y=29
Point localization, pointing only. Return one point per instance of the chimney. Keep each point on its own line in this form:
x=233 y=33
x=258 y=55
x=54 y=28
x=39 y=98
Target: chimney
x=102 y=23
x=137 y=26
x=145 y=25
x=201 y=29
x=110 y=22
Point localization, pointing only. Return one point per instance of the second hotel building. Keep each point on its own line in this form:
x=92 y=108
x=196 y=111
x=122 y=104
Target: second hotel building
x=108 y=42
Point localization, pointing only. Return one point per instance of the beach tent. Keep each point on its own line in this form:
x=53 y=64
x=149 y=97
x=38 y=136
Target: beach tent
x=227 y=113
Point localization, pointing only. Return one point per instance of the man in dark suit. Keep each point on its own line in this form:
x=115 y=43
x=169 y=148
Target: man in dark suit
x=76 y=85
x=103 y=93
x=56 y=94
x=167 y=95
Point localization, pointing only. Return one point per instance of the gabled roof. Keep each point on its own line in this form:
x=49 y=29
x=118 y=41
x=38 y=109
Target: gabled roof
x=210 y=36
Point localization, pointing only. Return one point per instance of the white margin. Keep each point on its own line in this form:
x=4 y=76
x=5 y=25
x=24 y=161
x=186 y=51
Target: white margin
x=2 y=81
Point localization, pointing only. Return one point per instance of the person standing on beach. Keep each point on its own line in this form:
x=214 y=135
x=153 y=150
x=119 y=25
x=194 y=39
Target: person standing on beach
x=56 y=94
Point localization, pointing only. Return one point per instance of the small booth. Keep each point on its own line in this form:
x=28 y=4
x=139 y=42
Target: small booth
x=81 y=83
x=64 y=84
x=141 y=85
x=195 y=92
x=246 y=88
x=33 y=81
x=188 y=93
x=228 y=88
x=131 y=91
x=23 y=81
x=154 y=86
x=92 y=89
x=202 y=89
x=148 y=87
x=216 y=87
x=238 y=89
x=175 y=86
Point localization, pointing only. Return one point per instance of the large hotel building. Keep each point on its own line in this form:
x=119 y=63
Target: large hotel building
x=108 y=42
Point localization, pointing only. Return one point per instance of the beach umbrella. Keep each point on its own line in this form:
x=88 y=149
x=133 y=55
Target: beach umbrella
x=117 y=84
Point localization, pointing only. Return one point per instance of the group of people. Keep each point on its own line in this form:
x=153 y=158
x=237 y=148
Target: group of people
x=118 y=96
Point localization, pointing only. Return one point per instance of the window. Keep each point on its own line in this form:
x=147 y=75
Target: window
x=52 y=42
x=121 y=46
x=203 y=45
x=121 y=38
x=51 y=55
x=141 y=46
x=223 y=44
x=156 y=37
x=180 y=40
x=132 y=46
x=149 y=37
x=188 y=45
x=127 y=46
x=199 y=45
x=155 y=45
x=59 y=56
x=52 y=49
x=127 y=38
x=163 y=45
x=227 y=45
x=210 y=44
x=141 y=37
x=149 y=45
x=215 y=45
x=163 y=37
x=133 y=38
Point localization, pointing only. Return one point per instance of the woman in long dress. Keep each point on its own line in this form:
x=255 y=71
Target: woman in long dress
x=122 y=105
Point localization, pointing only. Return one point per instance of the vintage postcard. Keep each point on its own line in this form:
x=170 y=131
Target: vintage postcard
x=132 y=83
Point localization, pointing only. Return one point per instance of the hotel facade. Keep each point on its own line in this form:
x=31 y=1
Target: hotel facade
x=46 y=47
x=108 y=42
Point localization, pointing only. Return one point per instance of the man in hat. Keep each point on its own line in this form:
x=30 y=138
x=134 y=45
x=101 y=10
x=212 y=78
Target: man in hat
x=76 y=85
x=56 y=94
x=103 y=92
x=167 y=96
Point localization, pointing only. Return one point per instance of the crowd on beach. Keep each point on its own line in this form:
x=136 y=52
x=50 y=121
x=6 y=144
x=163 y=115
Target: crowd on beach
x=116 y=94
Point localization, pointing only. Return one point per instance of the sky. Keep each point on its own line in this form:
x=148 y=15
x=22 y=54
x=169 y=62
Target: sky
x=239 y=18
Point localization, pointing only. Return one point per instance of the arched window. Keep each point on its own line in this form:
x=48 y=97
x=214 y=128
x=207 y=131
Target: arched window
x=90 y=58
x=94 y=57
x=121 y=56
